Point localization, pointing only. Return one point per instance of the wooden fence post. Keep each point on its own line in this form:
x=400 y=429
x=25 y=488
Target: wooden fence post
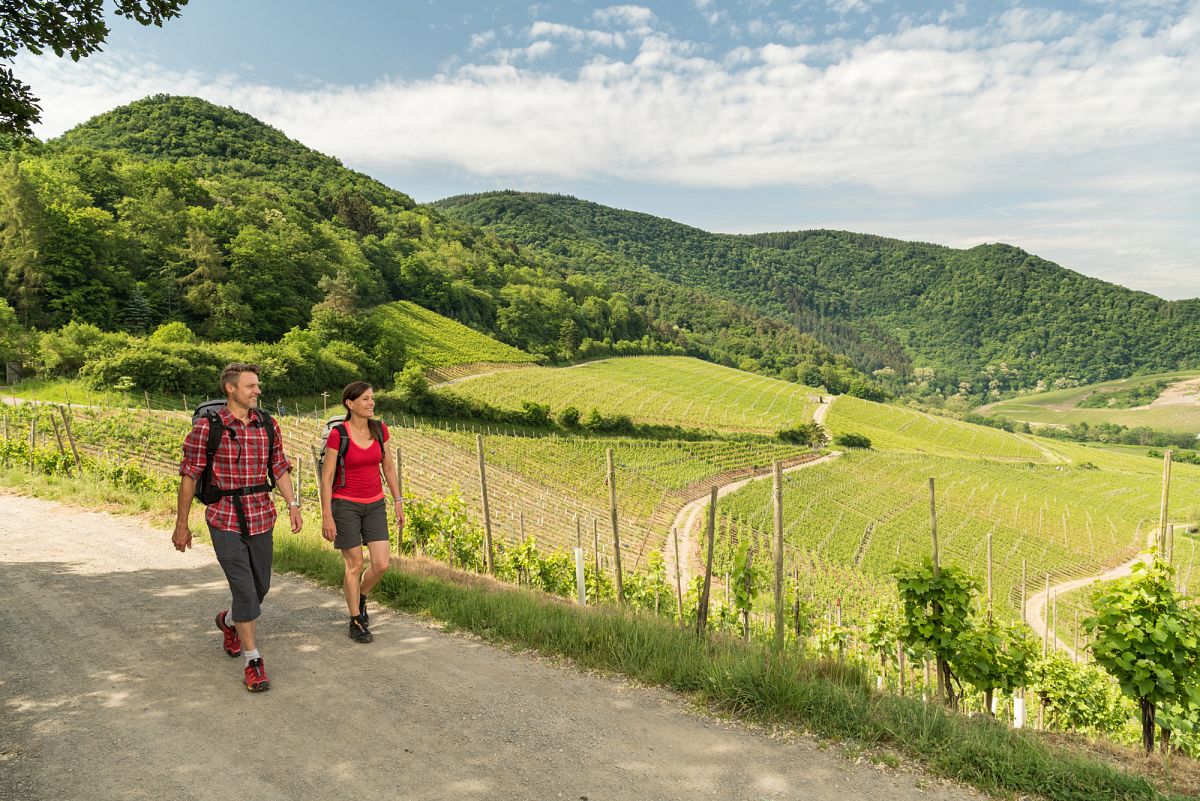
x=777 y=496
x=1046 y=619
x=57 y=435
x=678 y=574
x=612 y=509
x=487 y=516
x=937 y=572
x=1166 y=496
x=400 y=490
x=70 y=438
x=702 y=612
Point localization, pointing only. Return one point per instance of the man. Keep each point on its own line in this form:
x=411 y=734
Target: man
x=241 y=522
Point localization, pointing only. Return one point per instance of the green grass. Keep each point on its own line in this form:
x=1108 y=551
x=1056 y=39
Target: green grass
x=432 y=340
x=667 y=390
x=746 y=680
x=896 y=428
x=1058 y=407
x=1064 y=508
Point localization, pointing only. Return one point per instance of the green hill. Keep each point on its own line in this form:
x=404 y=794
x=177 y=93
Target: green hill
x=174 y=209
x=1162 y=401
x=431 y=340
x=653 y=389
x=992 y=316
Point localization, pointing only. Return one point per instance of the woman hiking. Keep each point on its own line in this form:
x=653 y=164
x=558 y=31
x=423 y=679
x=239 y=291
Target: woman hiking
x=353 y=506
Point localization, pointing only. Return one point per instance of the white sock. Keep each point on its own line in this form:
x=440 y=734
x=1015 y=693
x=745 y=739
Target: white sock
x=250 y=655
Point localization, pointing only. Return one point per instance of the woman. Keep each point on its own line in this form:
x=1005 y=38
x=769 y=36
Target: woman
x=353 y=506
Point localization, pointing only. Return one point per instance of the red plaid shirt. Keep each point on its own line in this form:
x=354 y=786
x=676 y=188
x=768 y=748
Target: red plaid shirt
x=238 y=462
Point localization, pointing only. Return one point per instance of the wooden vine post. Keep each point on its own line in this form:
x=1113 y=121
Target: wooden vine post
x=678 y=574
x=70 y=438
x=612 y=510
x=777 y=495
x=937 y=572
x=489 y=554
x=400 y=497
x=702 y=612
x=1166 y=495
x=57 y=435
x=1046 y=619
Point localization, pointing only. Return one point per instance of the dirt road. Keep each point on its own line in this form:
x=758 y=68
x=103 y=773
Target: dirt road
x=115 y=687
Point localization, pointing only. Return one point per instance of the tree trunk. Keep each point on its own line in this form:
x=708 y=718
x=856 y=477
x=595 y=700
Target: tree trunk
x=1147 y=725
x=987 y=701
x=947 y=683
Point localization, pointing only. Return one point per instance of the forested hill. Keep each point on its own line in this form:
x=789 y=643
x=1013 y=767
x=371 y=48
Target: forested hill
x=172 y=209
x=992 y=313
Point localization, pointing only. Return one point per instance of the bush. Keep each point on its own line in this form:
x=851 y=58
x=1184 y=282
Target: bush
x=568 y=418
x=850 y=440
x=160 y=368
x=810 y=434
x=175 y=332
x=65 y=351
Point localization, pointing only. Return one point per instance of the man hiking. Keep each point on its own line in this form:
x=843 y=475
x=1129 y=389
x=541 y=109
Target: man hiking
x=241 y=512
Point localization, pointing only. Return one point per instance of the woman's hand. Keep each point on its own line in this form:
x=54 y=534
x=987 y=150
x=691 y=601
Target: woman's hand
x=328 y=527
x=399 y=504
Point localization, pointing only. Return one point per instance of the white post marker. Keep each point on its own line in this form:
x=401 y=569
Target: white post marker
x=579 y=579
x=1019 y=711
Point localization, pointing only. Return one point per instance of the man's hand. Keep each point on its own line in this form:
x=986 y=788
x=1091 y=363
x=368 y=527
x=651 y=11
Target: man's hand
x=182 y=538
x=296 y=518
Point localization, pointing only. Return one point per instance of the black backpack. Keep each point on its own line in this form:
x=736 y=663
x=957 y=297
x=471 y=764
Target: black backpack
x=207 y=491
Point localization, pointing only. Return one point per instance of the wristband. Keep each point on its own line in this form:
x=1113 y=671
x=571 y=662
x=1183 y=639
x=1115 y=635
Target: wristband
x=294 y=504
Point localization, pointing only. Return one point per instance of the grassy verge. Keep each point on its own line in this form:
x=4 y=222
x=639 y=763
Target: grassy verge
x=749 y=681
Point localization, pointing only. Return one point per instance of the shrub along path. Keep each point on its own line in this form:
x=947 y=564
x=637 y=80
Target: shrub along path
x=116 y=687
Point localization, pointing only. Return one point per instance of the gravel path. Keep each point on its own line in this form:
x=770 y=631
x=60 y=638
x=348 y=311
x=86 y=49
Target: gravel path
x=115 y=687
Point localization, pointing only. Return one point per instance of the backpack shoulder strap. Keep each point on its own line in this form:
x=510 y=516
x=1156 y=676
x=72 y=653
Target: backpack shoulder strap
x=216 y=429
x=343 y=446
x=264 y=419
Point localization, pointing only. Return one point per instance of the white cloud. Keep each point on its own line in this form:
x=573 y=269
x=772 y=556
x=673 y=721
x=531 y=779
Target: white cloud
x=576 y=35
x=480 y=40
x=630 y=16
x=1027 y=101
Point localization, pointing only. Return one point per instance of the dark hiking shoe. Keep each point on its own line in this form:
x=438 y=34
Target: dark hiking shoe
x=359 y=632
x=362 y=610
x=232 y=643
x=256 y=677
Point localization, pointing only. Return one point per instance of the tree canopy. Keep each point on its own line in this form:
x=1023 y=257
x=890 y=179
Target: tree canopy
x=75 y=29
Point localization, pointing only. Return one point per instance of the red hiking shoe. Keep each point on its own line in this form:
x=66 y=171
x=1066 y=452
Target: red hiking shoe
x=256 y=677
x=233 y=643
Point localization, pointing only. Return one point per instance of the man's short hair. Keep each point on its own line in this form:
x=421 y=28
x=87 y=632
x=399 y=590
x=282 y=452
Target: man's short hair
x=233 y=373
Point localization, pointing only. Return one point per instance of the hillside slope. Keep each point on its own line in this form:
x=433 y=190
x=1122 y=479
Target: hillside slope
x=993 y=313
x=174 y=209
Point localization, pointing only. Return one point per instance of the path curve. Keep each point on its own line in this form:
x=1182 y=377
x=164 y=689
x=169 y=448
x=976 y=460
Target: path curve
x=684 y=525
x=115 y=688
x=1035 y=605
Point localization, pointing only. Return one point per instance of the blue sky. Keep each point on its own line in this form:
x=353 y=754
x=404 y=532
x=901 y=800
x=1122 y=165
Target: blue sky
x=1071 y=130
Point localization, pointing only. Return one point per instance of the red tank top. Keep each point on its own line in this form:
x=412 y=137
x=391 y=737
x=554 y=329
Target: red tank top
x=364 y=482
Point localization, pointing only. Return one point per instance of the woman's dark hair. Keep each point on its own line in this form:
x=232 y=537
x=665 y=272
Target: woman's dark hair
x=354 y=391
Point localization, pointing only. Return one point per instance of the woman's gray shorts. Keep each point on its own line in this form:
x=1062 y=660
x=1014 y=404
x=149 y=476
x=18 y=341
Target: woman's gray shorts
x=359 y=523
x=247 y=565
